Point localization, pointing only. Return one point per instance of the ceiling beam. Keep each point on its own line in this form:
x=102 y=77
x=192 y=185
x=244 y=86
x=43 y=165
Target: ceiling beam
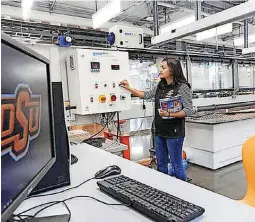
x=173 y=6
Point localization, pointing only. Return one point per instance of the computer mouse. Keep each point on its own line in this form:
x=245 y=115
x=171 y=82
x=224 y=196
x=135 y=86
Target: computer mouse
x=108 y=171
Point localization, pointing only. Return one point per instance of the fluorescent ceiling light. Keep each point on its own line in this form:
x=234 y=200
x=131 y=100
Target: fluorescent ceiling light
x=167 y=28
x=149 y=18
x=165 y=4
x=26 y=8
x=223 y=29
x=240 y=41
x=109 y=11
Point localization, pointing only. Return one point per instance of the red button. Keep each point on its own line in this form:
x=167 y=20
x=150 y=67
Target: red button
x=113 y=98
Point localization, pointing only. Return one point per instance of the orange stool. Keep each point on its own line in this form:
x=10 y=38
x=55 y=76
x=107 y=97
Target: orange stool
x=248 y=155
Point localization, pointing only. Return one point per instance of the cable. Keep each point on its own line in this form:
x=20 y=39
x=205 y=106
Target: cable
x=20 y=214
x=20 y=217
x=52 y=203
x=100 y=130
x=94 y=121
x=69 y=211
x=94 y=134
x=43 y=195
x=93 y=198
x=39 y=211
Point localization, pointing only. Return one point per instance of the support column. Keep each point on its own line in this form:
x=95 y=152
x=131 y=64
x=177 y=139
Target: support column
x=246 y=24
x=198 y=10
x=155 y=18
x=235 y=76
x=189 y=74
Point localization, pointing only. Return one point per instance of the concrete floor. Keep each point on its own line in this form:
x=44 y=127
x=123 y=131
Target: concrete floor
x=229 y=181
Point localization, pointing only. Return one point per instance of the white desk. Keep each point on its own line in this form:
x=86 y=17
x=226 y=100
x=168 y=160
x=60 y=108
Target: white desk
x=217 y=208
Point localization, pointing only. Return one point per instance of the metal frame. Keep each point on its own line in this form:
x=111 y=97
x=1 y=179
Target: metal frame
x=223 y=106
x=229 y=15
x=8 y=212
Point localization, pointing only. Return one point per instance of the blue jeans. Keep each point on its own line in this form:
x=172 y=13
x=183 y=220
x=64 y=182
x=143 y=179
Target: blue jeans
x=169 y=151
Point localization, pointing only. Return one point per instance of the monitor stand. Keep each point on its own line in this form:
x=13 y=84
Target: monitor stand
x=54 y=218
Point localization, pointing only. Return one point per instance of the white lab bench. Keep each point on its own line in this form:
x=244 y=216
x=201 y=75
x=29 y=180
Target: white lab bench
x=215 y=145
x=91 y=160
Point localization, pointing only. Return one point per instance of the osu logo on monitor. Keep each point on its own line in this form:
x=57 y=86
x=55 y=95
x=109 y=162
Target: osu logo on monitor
x=21 y=114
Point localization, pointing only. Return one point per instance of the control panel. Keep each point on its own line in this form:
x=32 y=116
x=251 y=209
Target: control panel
x=93 y=80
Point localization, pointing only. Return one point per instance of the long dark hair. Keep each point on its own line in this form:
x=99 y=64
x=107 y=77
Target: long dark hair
x=175 y=66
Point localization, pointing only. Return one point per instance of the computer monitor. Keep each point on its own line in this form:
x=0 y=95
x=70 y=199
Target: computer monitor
x=27 y=133
x=59 y=174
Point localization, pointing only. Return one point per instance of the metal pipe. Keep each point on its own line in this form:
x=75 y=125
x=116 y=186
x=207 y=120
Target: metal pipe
x=223 y=106
x=245 y=32
x=155 y=18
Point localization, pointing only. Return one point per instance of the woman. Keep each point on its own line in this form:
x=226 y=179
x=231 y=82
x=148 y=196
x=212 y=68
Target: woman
x=169 y=133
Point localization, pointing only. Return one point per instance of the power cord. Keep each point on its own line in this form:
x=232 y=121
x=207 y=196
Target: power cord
x=104 y=126
x=62 y=191
x=95 y=134
x=69 y=211
x=52 y=203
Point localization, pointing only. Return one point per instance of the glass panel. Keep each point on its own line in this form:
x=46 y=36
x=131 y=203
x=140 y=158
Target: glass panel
x=211 y=75
x=246 y=75
x=143 y=74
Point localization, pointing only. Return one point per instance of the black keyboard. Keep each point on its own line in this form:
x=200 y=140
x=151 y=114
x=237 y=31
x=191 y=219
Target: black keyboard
x=154 y=203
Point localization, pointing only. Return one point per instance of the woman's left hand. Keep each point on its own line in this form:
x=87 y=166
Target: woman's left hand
x=164 y=113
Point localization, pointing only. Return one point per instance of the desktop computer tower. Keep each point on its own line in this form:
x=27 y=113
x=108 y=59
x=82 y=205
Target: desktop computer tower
x=59 y=174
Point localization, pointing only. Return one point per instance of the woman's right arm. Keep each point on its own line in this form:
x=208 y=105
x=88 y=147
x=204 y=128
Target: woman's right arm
x=124 y=84
x=141 y=94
